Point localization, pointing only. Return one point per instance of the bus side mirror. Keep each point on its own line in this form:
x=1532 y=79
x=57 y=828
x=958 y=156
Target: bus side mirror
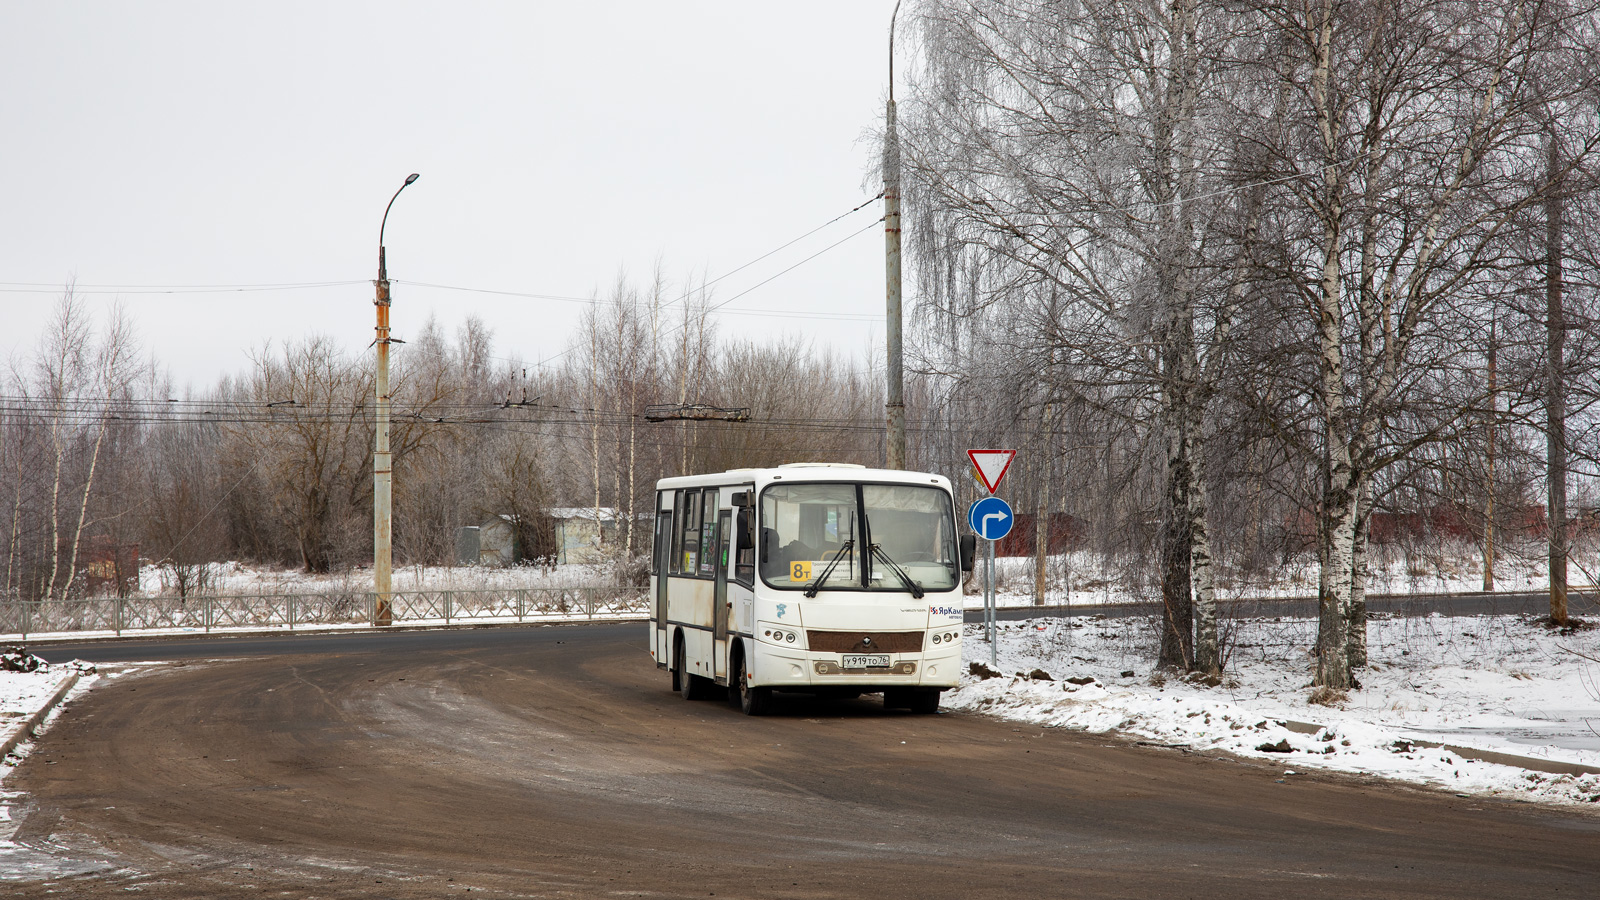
x=746 y=530
x=969 y=550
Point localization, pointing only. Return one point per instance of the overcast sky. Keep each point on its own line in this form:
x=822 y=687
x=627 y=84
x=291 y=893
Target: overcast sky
x=158 y=144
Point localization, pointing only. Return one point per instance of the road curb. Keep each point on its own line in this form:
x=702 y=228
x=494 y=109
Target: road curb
x=1531 y=763
x=26 y=729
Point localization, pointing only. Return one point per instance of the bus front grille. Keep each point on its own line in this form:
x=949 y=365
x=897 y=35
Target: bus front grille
x=864 y=641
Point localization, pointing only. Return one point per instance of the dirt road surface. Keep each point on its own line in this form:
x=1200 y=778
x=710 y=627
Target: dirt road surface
x=554 y=762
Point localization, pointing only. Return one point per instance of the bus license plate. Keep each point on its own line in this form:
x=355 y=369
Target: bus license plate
x=866 y=661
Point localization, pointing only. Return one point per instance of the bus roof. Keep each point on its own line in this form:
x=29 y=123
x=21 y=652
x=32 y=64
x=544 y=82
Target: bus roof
x=802 y=472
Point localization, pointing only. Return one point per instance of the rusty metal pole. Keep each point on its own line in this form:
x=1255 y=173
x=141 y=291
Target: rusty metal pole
x=382 y=473
x=896 y=405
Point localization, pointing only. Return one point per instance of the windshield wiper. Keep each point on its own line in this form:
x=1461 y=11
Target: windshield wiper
x=817 y=583
x=916 y=590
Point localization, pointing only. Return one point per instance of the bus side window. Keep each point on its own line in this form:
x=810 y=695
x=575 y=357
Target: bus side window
x=675 y=534
x=655 y=540
x=744 y=564
x=708 y=533
x=686 y=537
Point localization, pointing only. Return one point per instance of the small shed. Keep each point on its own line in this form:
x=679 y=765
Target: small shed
x=583 y=532
x=467 y=545
x=497 y=541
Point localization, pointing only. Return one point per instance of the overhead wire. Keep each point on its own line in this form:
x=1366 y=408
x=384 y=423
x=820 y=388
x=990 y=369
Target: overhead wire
x=779 y=249
x=32 y=287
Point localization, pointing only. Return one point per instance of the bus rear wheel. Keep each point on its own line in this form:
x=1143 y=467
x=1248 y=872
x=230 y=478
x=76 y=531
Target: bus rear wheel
x=753 y=701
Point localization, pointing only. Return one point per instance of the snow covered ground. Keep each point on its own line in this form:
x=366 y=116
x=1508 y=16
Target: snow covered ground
x=1082 y=578
x=23 y=695
x=236 y=578
x=1491 y=682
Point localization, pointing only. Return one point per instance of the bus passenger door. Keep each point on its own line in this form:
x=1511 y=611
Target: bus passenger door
x=719 y=617
x=658 y=633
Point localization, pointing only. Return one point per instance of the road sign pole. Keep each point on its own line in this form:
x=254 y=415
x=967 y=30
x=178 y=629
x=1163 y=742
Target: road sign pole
x=994 y=652
x=990 y=519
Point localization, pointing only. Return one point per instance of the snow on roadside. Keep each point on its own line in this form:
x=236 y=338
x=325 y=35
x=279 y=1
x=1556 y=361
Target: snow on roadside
x=1488 y=682
x=24 y=693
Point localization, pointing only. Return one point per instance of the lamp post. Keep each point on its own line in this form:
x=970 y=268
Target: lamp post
x=382 y=475
x=895 y=407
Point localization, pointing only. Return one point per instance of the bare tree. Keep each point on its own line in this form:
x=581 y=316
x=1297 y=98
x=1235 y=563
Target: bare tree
x=1403 y=123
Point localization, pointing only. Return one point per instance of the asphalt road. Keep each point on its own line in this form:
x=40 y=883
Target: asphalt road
x=554 y=762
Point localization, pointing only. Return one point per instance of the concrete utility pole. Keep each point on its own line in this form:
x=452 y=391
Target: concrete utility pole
x=896 y=405
x=382 y=475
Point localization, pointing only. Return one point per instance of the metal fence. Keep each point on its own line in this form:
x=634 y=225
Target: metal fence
x=119 y=615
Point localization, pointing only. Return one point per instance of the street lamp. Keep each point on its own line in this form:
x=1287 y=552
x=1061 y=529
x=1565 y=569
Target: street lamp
x=382 y=475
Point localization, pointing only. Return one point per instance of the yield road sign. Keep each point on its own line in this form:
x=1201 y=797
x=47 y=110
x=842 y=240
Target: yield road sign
x=991 y=466
x=991 y=518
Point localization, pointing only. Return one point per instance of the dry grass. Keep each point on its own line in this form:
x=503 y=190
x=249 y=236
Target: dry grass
x=1326 y=696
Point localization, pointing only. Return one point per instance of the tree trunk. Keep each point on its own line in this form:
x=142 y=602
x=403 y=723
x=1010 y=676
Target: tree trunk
x=1041 y=515
x=1488 y=506
x=1337 y=517
x=1334 y=585
x=1207 y=642
x=1360 y=568
x=83 y=513
x=13 y=580
x=55 y=502
x=1556 y=394
x=1177 y=605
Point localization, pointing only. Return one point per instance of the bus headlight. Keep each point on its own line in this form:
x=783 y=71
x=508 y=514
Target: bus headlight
x=780 y=636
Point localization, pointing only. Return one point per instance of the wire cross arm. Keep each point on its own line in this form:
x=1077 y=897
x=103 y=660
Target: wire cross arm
x=695 y=412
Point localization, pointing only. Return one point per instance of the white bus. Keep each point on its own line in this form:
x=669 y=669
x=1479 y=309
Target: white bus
x=817 y=578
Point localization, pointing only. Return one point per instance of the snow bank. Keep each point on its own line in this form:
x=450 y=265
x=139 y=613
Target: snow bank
x=27 y=686
x=1491 y=682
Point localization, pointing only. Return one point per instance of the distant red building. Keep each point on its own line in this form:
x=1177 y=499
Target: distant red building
x=107 y=566
x=1066 y=533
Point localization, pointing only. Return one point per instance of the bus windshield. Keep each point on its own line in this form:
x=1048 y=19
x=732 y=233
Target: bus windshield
x=823 y=536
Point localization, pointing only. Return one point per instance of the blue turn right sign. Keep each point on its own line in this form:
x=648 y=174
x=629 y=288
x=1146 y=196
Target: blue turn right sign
x=991 y=518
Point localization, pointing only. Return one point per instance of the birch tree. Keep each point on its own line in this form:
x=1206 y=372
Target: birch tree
x=1404 y=123
x=1077 y=148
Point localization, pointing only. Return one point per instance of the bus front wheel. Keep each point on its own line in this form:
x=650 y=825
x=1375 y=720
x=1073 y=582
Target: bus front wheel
x=922 y=701
x=753 y=701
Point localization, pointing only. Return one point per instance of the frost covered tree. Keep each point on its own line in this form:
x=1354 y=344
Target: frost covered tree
x=1067 y=164
x=1393 y=157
